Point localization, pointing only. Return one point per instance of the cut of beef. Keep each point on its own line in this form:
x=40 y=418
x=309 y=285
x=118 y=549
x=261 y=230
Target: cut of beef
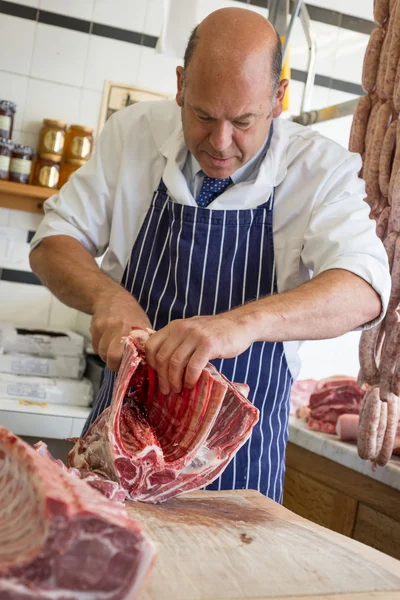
x=59 y=538
x=158 y=446
x=333 y=397
x=300 y=395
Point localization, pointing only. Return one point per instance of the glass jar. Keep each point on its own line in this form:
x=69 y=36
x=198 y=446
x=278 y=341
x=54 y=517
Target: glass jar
x=78 y=143
x=67 y=168
x=6 y=147
x=52 y=137
x=46 y=171
x=21 y=163
x=7 y=112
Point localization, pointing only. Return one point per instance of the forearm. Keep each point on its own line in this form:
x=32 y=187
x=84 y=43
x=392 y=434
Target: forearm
x=328 y=306
x=69 y=271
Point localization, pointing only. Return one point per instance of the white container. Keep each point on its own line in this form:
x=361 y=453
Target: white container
x=45 y=342
x=44 y=390
x=61 y=366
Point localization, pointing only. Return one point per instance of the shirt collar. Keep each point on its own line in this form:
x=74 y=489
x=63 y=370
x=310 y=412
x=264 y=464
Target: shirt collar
x=248 y=172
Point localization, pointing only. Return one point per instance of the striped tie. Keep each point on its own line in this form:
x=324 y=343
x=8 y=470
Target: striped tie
x=211 y=188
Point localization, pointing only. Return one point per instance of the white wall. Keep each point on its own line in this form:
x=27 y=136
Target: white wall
x=53 y=72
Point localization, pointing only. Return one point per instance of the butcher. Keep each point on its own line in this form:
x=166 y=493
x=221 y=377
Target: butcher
x=234 y=234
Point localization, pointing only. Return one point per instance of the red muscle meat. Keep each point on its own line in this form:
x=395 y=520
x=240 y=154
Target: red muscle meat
x=59 y=538
x=333 y=397
x=159 y=446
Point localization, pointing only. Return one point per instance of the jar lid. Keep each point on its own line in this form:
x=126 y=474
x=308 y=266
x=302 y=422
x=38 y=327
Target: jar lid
x=54 y=157
x=76 y=161
x=55 y=123
x=6 y=142
x=82 y=128
x=25 y=149
x=8 y=104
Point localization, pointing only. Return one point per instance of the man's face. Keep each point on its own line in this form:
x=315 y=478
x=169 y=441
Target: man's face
x=225 y=120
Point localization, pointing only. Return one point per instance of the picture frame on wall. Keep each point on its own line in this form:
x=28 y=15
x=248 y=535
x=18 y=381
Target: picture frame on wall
x=121 y=95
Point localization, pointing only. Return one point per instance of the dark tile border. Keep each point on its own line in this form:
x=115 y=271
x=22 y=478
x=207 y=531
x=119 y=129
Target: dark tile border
x=329 y=82
x=115 y=33
x=18 y=10
x=63 y=21
x=15 y=276
x=29 y=237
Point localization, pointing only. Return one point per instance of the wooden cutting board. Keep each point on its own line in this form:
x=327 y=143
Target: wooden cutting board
x=239 y=544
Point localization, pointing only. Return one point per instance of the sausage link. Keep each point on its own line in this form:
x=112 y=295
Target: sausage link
x=368 y=425
x=394 y=299
x=396 y=91
x=395 y=386
x=371 y=59
x=383 y=61
x=369 y=372
x=386 y=158
x=393 y=52
x=389 y=356
x=381 y=10
x=394 y=219
x=382 y=223
x=396 y=163
x=390 y=245
x=390 y=433
x=369 y=136
x=359 y=125
x=383 y=119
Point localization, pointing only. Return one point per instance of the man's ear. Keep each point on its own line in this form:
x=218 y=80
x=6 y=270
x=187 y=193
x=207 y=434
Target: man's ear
x=278 y=106
x=180 y=80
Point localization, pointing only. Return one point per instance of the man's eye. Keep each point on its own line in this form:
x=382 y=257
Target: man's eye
x=240 y=124
x=204 y=118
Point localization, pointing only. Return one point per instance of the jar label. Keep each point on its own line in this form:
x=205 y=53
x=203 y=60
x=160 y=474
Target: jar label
x=80 y=147
x=48 y=176
x=20 y=166
x=4 y=163
x=5 y=125
x=53 y=141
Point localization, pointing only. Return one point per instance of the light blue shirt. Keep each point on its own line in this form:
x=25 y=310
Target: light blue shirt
x=195 y=176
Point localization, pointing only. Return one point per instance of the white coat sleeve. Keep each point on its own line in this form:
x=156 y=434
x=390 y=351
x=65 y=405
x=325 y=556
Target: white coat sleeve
x=82 y=209
x=340 y=234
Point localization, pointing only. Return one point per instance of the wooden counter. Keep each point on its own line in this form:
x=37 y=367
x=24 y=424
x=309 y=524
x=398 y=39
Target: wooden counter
x=342 y=499
x=239 y=544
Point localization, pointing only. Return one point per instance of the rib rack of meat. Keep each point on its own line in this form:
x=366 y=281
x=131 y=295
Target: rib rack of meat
x=59 y=538
x=159 y=446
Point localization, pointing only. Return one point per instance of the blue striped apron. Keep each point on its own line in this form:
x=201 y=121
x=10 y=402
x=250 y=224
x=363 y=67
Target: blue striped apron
x=191 y=261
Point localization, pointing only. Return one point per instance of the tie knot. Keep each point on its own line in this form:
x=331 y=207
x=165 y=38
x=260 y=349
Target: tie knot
x=211 y=188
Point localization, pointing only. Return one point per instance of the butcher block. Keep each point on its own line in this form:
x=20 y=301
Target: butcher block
x=239 y=544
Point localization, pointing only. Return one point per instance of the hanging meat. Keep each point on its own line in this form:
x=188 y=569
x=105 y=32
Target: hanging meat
x=375 y=134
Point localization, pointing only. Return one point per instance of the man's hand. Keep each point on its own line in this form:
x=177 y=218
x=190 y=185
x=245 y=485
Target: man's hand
x=114 y=316
x=180 y=351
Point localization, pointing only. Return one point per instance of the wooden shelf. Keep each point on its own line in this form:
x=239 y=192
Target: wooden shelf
x=26 y=197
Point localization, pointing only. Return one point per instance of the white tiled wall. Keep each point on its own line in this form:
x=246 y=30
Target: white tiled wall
x=57 y=73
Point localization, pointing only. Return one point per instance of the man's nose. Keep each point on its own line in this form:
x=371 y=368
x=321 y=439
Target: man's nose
x=221 y=136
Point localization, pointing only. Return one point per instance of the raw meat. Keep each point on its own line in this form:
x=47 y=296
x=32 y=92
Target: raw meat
x=59 y=538
x=300 y=394
x=110 y=489
x=157 y=446
x=333 y=397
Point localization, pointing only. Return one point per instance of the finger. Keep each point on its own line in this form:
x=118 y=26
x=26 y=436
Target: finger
x=114 y=353
x=153 y=345
x=177 y=364
x=196 y=364
x=96 y=335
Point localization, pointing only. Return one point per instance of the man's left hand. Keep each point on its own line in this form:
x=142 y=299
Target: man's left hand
x=181 y=350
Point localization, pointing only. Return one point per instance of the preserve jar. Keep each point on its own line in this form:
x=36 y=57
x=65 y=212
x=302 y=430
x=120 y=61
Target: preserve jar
x=21 y=163
x=78 y=143
x=5 y=156
x=7 y=112
x=67 y=168
x=52 y=137
x=46 y=171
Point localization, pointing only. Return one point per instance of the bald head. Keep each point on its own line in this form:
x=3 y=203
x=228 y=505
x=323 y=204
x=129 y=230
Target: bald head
x=232 y=39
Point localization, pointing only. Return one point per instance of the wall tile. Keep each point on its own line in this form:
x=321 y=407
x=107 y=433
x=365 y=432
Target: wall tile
x=24 y=220
x=14 y=87
x=90 y=108
x=126 y=14
x=154 y=17
x=358 y=8
x=80 y=9
x=327 y=40
x=59 y=54
x=350 y=52
x=157 y=72
x=25 y=137
x=16 y=44
x=24 y=304
x=33 y=3
x=61 y=315
x=110 y=60
x=14 y=254
x=4 y=216
x=48 y=100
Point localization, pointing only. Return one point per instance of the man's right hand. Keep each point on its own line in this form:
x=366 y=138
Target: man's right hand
x=114 y=316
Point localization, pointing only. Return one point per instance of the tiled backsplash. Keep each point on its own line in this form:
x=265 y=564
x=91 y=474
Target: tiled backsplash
x=55 y=67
